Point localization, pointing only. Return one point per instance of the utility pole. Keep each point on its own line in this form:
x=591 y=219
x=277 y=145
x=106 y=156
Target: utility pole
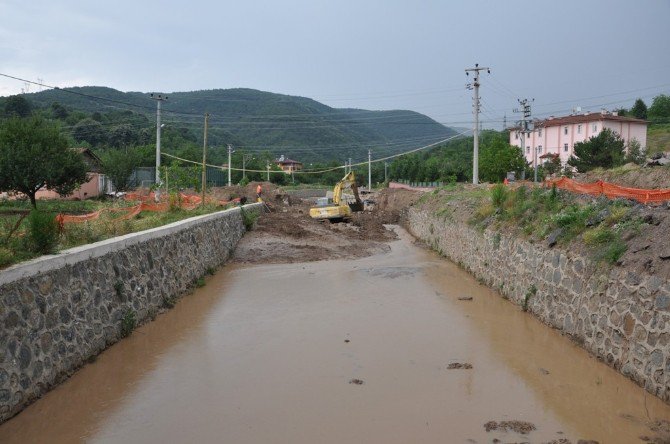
x=158 y=98
x=475 y=86
x=350 y=164
x=523 y=124
x=244 y=163
x=386 y=172
x=204 y=160
x=504 y=122
x=369 y=170
x=230 y=154
x=267 y=165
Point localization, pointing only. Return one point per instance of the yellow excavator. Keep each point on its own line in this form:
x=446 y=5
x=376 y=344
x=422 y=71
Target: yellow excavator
x=339 y=207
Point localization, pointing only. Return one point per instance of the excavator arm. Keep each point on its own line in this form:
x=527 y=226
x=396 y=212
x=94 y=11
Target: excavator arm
x=341 y=208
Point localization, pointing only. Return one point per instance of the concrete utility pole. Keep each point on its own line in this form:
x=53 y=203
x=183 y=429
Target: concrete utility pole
x=230 y=154
x=244 y=164
x=158 y=98
x=267 y=165
x=386 y=172
x=204 y=160
x=369 y=170
x=523 y=124
x=475 y=84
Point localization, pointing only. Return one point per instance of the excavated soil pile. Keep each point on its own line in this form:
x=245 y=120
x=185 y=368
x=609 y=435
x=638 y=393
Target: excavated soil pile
x=391 y=203
x=288 y=234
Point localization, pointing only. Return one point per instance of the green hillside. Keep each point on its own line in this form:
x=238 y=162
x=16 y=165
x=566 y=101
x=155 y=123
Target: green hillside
x=298 y=127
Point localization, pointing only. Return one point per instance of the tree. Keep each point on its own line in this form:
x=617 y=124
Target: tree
x=89 y=130
x=606 y=150
x=635 y=153
x=639 y=109
x=660 y=108
x=118 y=165
x=497 y=158
x=34 y=154
x=18 y=106
x=553 y=165
x=59 y=111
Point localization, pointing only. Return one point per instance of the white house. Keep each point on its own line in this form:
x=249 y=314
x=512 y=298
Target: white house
x=558 y=135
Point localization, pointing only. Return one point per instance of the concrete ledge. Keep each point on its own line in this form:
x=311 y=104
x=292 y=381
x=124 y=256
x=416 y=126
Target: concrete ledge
x=74 y=255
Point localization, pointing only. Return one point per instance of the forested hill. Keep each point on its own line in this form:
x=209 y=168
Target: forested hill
x=295 y=126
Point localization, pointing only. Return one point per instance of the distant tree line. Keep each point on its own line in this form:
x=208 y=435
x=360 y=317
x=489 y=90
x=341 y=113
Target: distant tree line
x=658 y=112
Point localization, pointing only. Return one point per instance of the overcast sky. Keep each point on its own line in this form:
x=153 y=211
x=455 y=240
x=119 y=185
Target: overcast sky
x=354 y=54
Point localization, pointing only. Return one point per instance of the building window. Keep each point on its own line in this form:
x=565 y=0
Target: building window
x=539 y=148
x=595 y=127
x=527 y=150
x=516 y=135
x=565 y=147
x=579 y=129
x=539 y=132
x=565 y=130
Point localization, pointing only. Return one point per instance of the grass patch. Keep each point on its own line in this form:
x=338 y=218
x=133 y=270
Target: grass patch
x=23 y=238
x=200 y=282
x=599 y=236
x=601 y=223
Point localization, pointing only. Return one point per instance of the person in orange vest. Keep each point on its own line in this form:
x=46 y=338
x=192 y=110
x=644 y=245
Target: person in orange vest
x=506 y=181
x=259 y=191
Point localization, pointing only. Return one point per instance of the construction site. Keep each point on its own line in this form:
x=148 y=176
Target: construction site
x=369 y=323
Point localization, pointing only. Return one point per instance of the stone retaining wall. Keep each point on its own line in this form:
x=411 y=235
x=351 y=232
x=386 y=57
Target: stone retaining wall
x=56 y=312
x=621 y=317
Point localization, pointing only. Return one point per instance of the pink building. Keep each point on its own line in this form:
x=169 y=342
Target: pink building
x=558 y=135
x=96 y=185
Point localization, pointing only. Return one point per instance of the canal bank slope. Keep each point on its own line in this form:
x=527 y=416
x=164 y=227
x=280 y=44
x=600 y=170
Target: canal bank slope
x=620 y=312
x=57 y=312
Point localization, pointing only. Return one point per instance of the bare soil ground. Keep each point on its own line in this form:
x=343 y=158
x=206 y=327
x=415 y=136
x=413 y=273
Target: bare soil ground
x=631 y=175
x=288 y=234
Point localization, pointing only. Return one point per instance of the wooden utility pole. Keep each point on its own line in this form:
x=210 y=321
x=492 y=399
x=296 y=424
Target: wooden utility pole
x=204 y=160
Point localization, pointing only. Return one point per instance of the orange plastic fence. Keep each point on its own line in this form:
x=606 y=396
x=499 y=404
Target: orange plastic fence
x=187 y=202
x=611 y=190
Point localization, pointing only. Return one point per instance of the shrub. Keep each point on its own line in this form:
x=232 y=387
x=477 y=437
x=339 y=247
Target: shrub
x=42 y=232
x=249 y=219
x=128 y=323
x=499 y=195
x=614 y=251
x=6 y=256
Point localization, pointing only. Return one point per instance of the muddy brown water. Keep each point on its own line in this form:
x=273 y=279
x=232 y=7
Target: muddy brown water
x=341 y=352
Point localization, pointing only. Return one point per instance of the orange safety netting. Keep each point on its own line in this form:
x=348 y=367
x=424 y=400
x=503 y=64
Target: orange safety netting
x=187 y=202
x=611 y=190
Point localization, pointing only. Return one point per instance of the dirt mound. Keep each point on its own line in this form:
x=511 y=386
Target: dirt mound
x=288 y=234
x=390 y=203
x=630 y=175
x=271 y=193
